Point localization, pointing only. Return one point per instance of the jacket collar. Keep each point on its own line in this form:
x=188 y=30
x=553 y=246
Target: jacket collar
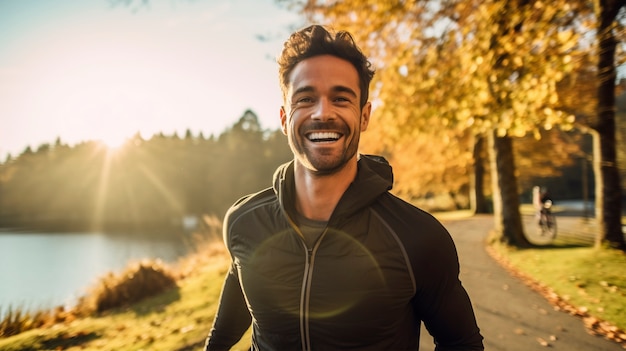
x=374 y=177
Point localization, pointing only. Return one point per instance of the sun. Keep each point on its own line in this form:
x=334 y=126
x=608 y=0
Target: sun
x=113 y=142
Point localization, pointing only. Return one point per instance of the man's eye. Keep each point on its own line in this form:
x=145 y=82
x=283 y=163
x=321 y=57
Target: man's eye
x=304 y=100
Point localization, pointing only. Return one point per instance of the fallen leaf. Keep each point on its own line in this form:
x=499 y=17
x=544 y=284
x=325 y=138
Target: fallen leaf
x=543 y=342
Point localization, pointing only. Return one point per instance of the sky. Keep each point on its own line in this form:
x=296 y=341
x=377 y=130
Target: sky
x=86 y=70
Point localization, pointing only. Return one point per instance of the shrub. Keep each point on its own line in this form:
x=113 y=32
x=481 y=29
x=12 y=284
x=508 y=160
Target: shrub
x=138 y=281
x=16 y=321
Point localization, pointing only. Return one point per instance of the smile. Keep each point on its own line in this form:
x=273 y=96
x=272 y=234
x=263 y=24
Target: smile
x=323 y=136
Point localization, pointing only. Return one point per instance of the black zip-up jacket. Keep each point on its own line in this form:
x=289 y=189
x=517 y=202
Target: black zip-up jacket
x=380 y=268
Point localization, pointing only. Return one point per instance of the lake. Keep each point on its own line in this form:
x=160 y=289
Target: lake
x=44 y=270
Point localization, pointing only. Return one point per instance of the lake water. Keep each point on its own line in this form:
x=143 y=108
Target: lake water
x=44 y=270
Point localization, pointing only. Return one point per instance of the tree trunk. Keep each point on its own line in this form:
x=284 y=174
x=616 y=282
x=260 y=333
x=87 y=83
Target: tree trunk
x=478 y=202
x=507 y=217
x=608 y=188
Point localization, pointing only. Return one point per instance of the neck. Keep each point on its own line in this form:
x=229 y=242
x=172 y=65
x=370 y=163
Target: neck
x=318 y=195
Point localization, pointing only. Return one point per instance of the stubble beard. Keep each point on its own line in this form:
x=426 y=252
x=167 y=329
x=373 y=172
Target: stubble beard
x=325 y=162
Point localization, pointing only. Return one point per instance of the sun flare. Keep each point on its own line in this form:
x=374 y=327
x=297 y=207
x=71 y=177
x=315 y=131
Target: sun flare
x=113 y=142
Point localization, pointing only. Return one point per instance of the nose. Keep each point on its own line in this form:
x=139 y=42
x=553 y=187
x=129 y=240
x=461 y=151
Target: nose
x=323 y=110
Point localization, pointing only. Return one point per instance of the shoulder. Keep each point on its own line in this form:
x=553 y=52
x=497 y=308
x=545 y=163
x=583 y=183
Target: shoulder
x=247 y=204
x=400 y=213
x=422 y=235
x=243 y=214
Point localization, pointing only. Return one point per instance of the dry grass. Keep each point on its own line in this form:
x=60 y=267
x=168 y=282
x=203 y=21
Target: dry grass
x=177 y=319
x=138 y=281
x=16 y=321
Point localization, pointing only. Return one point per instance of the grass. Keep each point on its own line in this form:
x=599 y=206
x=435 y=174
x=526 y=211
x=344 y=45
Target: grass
x=591 y=279
x=137 y=282
x=584 y=281
x=178 y=319
x=575 y=276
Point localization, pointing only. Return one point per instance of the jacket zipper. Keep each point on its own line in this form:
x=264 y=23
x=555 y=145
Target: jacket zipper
x=304 y=301
x=306 y=283
x=306 y=291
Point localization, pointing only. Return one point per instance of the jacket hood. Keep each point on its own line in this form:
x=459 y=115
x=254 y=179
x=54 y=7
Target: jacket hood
x=374 y=178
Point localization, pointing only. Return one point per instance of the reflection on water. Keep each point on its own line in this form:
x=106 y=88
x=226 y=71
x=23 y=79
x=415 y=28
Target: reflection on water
x=43 y=270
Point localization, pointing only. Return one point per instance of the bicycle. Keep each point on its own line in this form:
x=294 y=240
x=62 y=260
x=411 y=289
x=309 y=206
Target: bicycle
x=547 y=221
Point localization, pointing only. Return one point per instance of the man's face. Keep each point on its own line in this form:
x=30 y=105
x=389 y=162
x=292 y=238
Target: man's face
x=322 y=117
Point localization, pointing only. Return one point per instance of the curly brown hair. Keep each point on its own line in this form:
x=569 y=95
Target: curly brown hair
x=316 y=40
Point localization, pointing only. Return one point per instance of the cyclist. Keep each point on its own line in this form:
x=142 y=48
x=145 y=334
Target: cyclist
x=540 y=198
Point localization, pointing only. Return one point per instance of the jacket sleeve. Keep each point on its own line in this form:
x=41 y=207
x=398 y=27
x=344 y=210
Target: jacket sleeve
x=232 y=318
x=441 y=300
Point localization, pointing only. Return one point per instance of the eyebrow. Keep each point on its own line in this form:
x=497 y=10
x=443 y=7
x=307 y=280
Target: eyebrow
x=336 y=89
x=342 y=89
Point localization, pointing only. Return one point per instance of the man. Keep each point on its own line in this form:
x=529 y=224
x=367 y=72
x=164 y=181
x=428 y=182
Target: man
x=328 y=259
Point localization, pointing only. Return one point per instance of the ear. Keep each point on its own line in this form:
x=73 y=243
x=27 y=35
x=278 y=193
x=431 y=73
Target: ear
x=365 y=116
x=283 y=120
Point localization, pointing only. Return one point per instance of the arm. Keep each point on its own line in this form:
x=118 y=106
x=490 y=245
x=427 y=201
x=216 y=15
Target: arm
x=452 y=323
x=232 y=318
x=442 y=302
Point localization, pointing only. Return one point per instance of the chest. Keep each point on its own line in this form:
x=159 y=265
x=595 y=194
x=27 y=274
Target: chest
x=354 y=272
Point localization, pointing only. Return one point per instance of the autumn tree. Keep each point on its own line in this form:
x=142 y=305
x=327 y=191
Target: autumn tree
x=621 y=134
x=608 y=189
x=589 y=93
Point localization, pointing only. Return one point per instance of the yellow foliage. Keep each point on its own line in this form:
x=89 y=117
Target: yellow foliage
x=495 y=65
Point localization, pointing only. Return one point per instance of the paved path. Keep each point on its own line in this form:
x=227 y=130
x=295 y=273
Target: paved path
x=511 y=316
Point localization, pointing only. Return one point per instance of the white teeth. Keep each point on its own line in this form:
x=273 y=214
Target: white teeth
x=324 y=136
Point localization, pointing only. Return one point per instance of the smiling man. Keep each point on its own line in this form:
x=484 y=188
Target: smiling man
x=323 y=119
x=328 y=258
